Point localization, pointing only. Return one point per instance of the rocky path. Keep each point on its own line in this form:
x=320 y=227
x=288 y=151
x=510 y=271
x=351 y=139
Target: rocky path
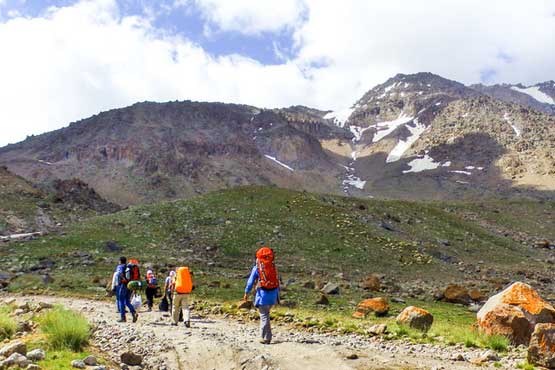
x=217 y=343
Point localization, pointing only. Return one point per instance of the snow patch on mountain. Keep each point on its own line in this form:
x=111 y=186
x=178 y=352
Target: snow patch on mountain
x=403 y=145
x=536 y=93
x=422 y=164
x=340 y=116
x=278 y=162
x=387 y=127
x=507 y=118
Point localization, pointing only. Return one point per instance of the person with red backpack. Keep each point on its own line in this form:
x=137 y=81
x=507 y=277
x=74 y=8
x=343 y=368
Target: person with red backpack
x=125 y=273
x=265 y=275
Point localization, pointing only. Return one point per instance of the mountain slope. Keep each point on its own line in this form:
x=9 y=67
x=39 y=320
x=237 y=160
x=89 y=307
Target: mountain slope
x=153 y=151
x=417 y=136
x=540 y=97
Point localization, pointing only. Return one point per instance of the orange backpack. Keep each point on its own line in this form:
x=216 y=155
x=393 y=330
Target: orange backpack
x=183 y=281
x=267 y=271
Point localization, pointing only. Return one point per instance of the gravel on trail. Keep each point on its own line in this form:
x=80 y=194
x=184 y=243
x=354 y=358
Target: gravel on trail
x=214 y=342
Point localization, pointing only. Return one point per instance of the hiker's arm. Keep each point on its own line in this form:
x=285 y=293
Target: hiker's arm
x=252 y=279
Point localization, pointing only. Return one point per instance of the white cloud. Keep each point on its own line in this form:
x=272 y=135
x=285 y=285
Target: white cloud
x=252 y=16
x=72 y=62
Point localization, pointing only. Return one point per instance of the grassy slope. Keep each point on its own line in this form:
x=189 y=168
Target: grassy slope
x=311 y=233
x=315 y=236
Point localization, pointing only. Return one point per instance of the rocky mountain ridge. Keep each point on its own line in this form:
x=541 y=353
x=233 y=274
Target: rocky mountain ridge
x=415 y=136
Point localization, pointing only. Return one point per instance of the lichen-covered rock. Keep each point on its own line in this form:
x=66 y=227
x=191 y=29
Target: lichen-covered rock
x=379 y=306
x=514 y=313
x=541 y=351
x=416 y=317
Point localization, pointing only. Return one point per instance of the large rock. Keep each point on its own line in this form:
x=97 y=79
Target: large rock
x=416 y=317
x=371 y=282
x=379 y=306
x=36 y=355
x=13 y=347
x=330 y=288
x=456 y=294
x=16 y=359
x=514 y=313
x=541 y=351
x=131 y=359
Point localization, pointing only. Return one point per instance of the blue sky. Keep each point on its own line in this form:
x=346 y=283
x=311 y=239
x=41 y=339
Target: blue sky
x=65 y=60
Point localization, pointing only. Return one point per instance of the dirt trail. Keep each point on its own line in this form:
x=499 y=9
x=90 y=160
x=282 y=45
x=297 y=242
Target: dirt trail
x=216 y=343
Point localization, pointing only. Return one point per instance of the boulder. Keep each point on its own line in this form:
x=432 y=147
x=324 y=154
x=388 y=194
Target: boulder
x=131 y=358
x=541 y=351
x=476 y=295
x=456 y=294
x=416 y=317
x=90 y=360
x=78 y=364
x=330 y=288
x=377 y=329
x=371 y=282
x=514 y=313
x=13 y=347
x=36 y=355
x=379 y=306
x=16 y=359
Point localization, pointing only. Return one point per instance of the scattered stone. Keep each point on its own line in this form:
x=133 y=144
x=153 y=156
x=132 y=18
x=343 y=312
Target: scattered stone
x=13 y=347
x=379 y=306
x=33 y=367
x=112 y=246
x=23 y=327
x=9 y=301
x=309 y=285
x=483 y=358
x=90 y=360
x=323 y=300
x=514 y=313
x=16 y=359
x=45 y=305
x=377 y=329
x=416 y=318
x=542 y=344
x=352 y=356
x=371 y=282
x=131 y=359
x=330 y=288
x=36 y=355
x=78 y=364
x=456 y=294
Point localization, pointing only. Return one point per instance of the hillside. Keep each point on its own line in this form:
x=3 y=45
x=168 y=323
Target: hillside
x=25 y=208
x=418 y=247
x=417 y=136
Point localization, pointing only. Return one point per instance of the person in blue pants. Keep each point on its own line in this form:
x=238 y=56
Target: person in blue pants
x=124 y=294
x=264 y=300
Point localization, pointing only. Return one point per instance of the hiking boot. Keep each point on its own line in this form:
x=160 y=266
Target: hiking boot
x=122 y=320
x=173 y=324
x=135 y=316
x=264 y=341
x=188 y=324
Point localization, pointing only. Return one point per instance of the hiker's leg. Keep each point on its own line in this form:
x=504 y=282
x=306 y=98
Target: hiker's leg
x=176 y=307
x=150 y=297
x=265 y=328
x=121 y=300
x=186 y=311
x=128 y=300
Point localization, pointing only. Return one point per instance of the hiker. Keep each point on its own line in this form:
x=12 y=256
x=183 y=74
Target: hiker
x=114 y=288
x=151 y=286
x=169 y=285
x=182 y=288
x=123 y=294
x=264 y=274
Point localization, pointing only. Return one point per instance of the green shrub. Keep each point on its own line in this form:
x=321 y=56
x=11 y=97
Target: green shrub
x=65 y=329
x=8 y=325
x=525 y=366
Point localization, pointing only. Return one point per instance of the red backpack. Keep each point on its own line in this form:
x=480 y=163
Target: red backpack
x=132 y=271
x=267 y=271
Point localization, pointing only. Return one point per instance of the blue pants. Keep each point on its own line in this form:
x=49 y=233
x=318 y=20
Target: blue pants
x=124 y=299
